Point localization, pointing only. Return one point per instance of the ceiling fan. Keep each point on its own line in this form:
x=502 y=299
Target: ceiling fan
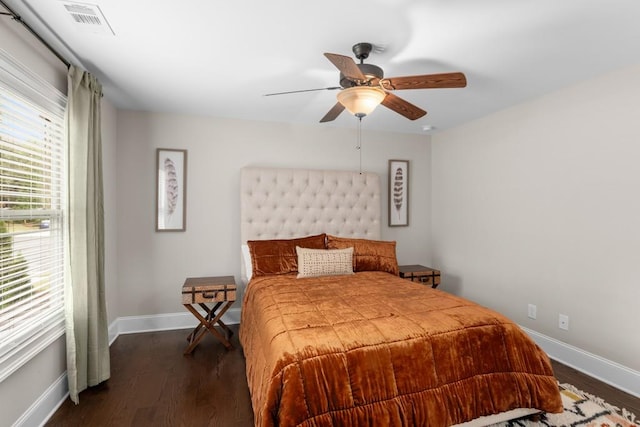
x=363 y=86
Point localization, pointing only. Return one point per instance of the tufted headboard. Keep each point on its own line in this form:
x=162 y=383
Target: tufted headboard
x=285 y=203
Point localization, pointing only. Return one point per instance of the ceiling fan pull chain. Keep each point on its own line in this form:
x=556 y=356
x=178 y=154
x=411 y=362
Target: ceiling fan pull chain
x=359 y=146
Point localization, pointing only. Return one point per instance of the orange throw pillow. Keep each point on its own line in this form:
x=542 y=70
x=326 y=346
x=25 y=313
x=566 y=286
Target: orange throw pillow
x=279 y=256
x=368 y=255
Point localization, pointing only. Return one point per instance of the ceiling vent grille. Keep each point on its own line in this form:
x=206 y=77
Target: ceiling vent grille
x=87 y=17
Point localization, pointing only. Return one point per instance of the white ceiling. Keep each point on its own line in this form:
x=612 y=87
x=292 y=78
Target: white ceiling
x=220 y=57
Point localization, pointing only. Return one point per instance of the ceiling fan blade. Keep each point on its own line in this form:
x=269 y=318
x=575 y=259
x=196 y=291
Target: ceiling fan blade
x=304 y=90
x=333 y=113
x=427 y=81
x=346 y=65
x=403 y=107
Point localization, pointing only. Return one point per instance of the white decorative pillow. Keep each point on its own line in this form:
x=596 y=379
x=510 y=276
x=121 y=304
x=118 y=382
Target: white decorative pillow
x=246 y=261
x=324 y=262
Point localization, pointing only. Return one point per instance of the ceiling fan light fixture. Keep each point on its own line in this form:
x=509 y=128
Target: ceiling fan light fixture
x=361 y=100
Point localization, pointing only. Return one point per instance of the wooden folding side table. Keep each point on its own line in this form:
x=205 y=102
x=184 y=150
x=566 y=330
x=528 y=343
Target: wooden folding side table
x=219 y=291
x=420 y=273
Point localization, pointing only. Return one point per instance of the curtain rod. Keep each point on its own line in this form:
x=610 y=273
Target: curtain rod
x=17 y=17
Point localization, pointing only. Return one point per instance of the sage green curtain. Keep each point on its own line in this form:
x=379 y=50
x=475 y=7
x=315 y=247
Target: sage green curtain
x=86 y=314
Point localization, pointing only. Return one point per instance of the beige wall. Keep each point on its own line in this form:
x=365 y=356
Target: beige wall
x=20 y=44
x=152 y=266
x=109 y=172
x=540 y=204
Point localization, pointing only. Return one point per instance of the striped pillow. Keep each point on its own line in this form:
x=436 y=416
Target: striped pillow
x=322 y=262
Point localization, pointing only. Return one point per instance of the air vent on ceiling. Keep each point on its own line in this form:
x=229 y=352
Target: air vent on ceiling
x=88 y=17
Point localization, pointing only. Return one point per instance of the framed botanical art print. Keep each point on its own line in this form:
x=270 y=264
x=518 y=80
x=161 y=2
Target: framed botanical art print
x=171 y=189
x=398 y=193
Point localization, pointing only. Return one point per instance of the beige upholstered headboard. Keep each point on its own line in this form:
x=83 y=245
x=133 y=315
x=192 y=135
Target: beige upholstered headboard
x=285 y=203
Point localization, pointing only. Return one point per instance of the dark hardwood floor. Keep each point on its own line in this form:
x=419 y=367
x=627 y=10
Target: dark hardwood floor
x=153 y=384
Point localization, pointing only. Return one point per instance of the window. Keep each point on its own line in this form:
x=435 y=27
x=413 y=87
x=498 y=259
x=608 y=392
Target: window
x=32 y=200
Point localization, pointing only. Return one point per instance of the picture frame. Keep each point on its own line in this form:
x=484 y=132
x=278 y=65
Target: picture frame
x=398 y=193
x=171 y=189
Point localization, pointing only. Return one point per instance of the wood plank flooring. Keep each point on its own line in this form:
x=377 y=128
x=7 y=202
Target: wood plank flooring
x=153 y=384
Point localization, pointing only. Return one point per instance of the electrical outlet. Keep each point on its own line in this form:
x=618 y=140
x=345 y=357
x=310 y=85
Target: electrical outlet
x=532 y=312
x=563 y=322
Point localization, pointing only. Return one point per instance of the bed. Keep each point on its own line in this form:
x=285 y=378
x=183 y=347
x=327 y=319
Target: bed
x=365 y=347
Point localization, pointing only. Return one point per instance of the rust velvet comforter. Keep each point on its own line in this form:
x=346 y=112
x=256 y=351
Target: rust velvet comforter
x=374 y=349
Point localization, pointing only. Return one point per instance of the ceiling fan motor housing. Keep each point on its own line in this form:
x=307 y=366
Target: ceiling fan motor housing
x=373 y=73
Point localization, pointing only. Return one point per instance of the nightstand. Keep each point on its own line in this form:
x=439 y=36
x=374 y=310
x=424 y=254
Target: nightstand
x=218 y=291
x=420 y=273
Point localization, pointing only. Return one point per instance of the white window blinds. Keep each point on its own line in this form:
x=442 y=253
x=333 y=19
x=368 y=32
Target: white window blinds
x=32 y=200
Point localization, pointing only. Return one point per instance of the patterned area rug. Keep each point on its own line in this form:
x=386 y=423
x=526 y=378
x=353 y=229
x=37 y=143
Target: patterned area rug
x=580 y=409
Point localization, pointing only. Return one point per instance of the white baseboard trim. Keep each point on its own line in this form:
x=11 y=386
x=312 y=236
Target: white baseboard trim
x=612 y=373
x=163 y=322
x=609 y=372
x=46 y=405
